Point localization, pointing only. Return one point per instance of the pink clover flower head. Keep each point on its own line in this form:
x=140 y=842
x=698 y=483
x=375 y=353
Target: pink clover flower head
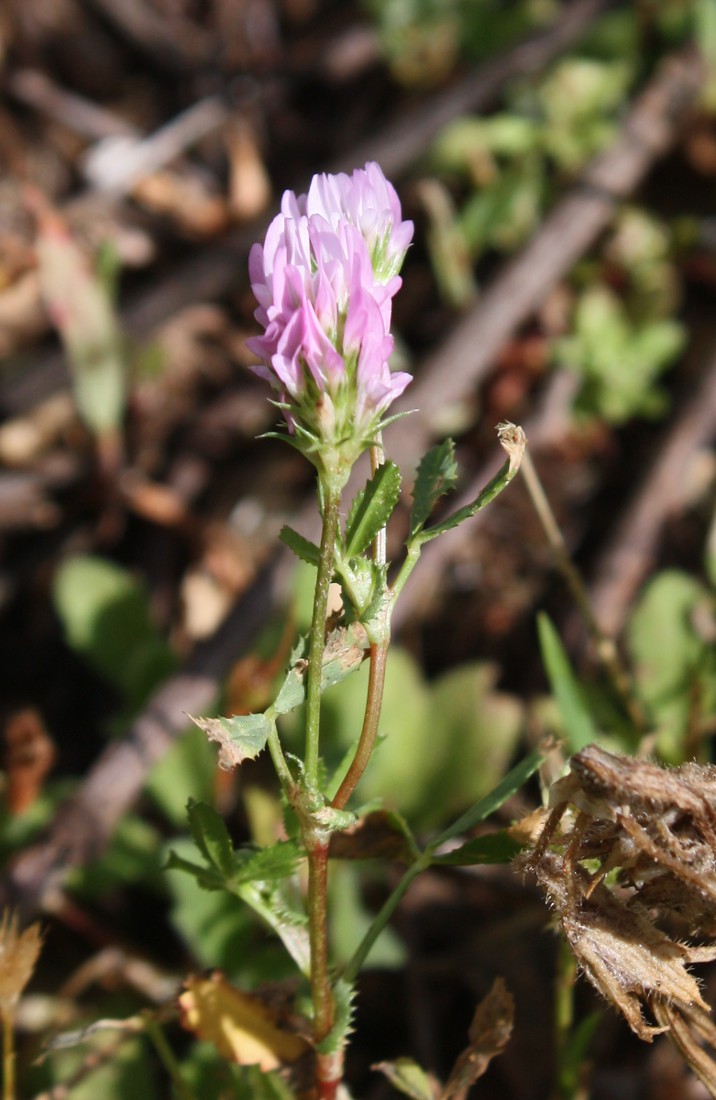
x=370 y=202
x=324 y=280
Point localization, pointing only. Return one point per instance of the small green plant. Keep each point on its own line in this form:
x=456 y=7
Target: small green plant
x=324 y=280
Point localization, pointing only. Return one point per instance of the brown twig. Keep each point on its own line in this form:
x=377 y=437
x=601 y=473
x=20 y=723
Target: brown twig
x=631 y=549
x=407 y=137
x=464 y=359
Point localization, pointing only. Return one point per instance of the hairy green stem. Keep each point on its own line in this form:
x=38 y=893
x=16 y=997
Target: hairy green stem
x=281 y=768
x=376 y=678
x=317 y=635
x=328 y=1073
x=318 y=936
x=329 y=1066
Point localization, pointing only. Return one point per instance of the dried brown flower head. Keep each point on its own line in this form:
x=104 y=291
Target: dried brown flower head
x=627 y=852
x=18 y=955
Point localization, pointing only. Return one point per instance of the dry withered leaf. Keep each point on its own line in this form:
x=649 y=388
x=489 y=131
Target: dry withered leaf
x=630 y=961
x=685 y=1026
x=654 y=828
x=19 y=952
x=249 y=182
x=376 y=836
x=185 y=199
x=489 y=1034
x=244 y=1027
x=29 y=756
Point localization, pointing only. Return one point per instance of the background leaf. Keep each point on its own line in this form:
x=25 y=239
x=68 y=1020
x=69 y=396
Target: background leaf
x=674 y=665
x=106 y=618
x=579 y=729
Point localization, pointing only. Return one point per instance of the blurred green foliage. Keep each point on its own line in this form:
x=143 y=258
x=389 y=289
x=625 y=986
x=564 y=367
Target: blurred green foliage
x=105 y=614
x=423 y=40
x=493 y=178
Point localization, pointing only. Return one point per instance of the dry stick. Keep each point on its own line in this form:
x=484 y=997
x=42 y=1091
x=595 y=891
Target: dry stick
x=407 y=138
x=37 y=90
x=630 y=552
x=85 y=824
x=213 y=269
x=650 y=129
x=175 y=43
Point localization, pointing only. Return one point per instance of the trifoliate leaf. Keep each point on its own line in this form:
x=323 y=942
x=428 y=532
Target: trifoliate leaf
x=303 y=548
x=240 y=738
x=371 y=509
x=437 y=475
x=211 y=837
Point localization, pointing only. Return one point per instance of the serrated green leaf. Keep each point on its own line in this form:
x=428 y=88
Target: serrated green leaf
x=218 y=929
x=343 y=998
x=579 y=727
x=291 y=693
x=437 y=475
x=208 y=880
x=283 y=918
x=371 y=509
x=493 y=848
x=271 y=864
x=512 y=440
x=303 y=548
x=211 y=837
x=241 y=737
